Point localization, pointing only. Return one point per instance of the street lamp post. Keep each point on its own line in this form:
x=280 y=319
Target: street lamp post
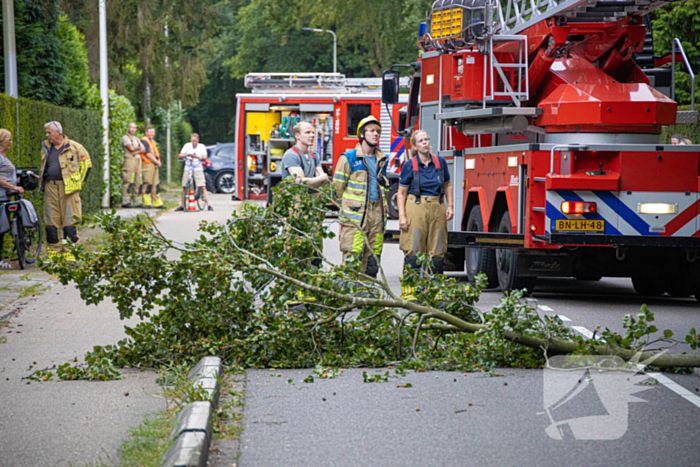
x=335 y=45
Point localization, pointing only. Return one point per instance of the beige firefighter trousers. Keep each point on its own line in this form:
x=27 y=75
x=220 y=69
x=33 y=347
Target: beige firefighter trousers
x=427 y=227
x=131 y=175
x=60 y=210
x=352 y=240
x=151 y=185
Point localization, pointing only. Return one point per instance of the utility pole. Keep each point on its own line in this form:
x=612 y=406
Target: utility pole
x=167 y=131
x=8 y=23
x=10 y=50
x=335 y=45
x=104 y=94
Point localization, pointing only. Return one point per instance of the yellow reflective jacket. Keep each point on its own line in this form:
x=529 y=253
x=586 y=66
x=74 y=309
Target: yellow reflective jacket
x=351 y=180
x=75 y=165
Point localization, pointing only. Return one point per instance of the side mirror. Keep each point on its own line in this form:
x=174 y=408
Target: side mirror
x=390 y=87
x=403 y=112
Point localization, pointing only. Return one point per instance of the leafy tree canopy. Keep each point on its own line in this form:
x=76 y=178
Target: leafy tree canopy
x=680 y=20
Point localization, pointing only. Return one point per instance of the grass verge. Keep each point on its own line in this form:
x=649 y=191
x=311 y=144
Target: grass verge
x=148 y=442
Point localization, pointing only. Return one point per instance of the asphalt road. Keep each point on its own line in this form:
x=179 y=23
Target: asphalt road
x=347 y=422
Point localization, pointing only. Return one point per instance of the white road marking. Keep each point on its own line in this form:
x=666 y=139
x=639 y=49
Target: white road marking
x=583 y=331
x=544 y=308
x=677 y=388
x=669 y=383
x=563 y=318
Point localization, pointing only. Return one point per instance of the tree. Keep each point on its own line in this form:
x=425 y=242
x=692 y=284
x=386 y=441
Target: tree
x=156 y=48
x=680 y=20
x=227 y=295
x=74 y=57
x=371 y=36
x=40 y=68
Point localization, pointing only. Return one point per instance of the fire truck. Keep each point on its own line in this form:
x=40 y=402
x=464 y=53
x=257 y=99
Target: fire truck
x=332 y=103
x=549 y=114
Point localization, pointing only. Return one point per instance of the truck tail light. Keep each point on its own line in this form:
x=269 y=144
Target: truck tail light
x=578 y=207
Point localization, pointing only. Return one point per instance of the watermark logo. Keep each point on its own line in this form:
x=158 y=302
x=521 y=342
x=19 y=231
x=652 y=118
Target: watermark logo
x=587 y=397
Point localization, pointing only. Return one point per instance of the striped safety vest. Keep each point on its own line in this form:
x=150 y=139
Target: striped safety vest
x=152 y=148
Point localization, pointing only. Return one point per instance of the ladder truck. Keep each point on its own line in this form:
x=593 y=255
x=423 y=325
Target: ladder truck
x=551 y=130
x=331 y=102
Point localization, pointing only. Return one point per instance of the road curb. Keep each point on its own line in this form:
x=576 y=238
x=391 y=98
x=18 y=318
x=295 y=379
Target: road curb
x=192 y=431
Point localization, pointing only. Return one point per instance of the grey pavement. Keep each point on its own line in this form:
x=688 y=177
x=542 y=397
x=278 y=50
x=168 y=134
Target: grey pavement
x=451 y=419
x=68 y=423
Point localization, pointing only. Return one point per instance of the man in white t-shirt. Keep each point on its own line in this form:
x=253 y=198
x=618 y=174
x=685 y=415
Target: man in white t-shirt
x=194 y=154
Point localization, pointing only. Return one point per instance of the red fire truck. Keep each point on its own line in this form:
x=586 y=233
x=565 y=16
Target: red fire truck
x=332 y=103
x=549 y=114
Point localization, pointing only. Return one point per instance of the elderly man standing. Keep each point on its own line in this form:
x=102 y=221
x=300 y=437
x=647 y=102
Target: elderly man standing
x=131 y=171
x=65 y=165
x=150 y=163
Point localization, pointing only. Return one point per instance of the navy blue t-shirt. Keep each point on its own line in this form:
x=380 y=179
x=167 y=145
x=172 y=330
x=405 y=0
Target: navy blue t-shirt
x=429 y=183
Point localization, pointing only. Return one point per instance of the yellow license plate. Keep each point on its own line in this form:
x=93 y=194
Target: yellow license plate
x=580 y=225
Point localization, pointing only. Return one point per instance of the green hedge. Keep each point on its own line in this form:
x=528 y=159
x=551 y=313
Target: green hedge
x=121 y=113
x=83 y=126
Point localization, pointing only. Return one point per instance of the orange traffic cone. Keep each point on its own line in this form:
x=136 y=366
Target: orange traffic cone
x=191 y=204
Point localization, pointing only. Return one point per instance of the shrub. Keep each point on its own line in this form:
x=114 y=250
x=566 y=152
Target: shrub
x=121 y=113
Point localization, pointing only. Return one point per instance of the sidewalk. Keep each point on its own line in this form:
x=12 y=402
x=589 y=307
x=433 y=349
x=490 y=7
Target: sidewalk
x=63 y=423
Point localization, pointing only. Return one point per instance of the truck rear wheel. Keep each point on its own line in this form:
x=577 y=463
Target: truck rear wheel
x=480 y=260
x=696 y=290
x=392 y=201
x=649 y=285
x=506 y=264
x=679 y=286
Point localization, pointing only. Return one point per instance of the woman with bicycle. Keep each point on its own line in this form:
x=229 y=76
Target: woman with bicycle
x=8 y=180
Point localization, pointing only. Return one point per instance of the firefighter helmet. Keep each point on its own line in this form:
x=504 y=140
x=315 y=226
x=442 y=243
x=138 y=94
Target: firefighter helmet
x=366 y=121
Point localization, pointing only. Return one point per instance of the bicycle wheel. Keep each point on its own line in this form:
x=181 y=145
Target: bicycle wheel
x=19 y=242
x=199 y=196
x=33 y=239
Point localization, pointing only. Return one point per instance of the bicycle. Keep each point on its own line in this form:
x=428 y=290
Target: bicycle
x=27 y=234
x=198 y=194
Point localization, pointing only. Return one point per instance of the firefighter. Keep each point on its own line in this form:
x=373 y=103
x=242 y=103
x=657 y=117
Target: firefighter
x=360 y=182
x=423 y=186
x=150 y=163
x=65 y=165
x=131 y=170
x=303 y=165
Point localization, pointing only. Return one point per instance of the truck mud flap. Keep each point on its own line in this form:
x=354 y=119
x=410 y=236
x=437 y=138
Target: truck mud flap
x=544 y=265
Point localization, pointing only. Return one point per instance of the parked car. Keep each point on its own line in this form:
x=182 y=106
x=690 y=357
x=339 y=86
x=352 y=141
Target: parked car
x=221 y=173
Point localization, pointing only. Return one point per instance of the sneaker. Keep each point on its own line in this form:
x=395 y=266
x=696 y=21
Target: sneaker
x=5 y=265
x=210 y=208
x=179 y=208
x=127 y=206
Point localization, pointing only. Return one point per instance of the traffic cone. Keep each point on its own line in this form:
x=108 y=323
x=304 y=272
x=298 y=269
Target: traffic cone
x=191 y=204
